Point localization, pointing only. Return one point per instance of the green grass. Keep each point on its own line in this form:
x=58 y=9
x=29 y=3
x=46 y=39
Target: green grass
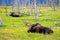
x=15 y=28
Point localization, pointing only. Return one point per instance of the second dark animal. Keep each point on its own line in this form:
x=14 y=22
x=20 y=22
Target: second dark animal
x=13 y=14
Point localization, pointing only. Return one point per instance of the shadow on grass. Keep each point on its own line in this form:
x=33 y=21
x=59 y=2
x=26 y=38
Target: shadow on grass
x=3 y=26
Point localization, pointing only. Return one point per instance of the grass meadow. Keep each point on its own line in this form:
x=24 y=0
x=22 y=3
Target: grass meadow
x=15 y=28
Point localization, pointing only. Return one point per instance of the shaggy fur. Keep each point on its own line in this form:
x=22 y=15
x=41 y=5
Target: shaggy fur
x=14 y=15
x=37 y=28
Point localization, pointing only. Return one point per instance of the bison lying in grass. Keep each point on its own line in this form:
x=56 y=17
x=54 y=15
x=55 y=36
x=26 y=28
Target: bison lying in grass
x=37 y=28
x=13 y=14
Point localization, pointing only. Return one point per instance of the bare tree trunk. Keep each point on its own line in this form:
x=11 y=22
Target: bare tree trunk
x=22 y=4
x=46 y=3
x=3 y=2
x=26 y=6
x=1 y=22
x=5 y=5
x=18 y=1
x=15 y=7
x=35 y=9
x=59 y=3
x=6 y=10
x=30 y=6
x=53 y=4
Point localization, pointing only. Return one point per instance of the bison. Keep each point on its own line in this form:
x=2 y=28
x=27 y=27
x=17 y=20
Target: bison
x=38 y=28
x=13 y=14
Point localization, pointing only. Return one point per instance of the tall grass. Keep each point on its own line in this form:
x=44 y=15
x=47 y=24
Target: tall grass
x=15 y=28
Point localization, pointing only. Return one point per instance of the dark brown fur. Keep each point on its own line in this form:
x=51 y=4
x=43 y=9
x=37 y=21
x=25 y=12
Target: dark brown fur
x=14 y=15
x=37 y=28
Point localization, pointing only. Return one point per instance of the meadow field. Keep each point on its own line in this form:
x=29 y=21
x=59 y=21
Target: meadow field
x=15 y=28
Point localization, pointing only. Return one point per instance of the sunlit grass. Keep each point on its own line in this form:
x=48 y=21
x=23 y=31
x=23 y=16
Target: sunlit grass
x=15 y=28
